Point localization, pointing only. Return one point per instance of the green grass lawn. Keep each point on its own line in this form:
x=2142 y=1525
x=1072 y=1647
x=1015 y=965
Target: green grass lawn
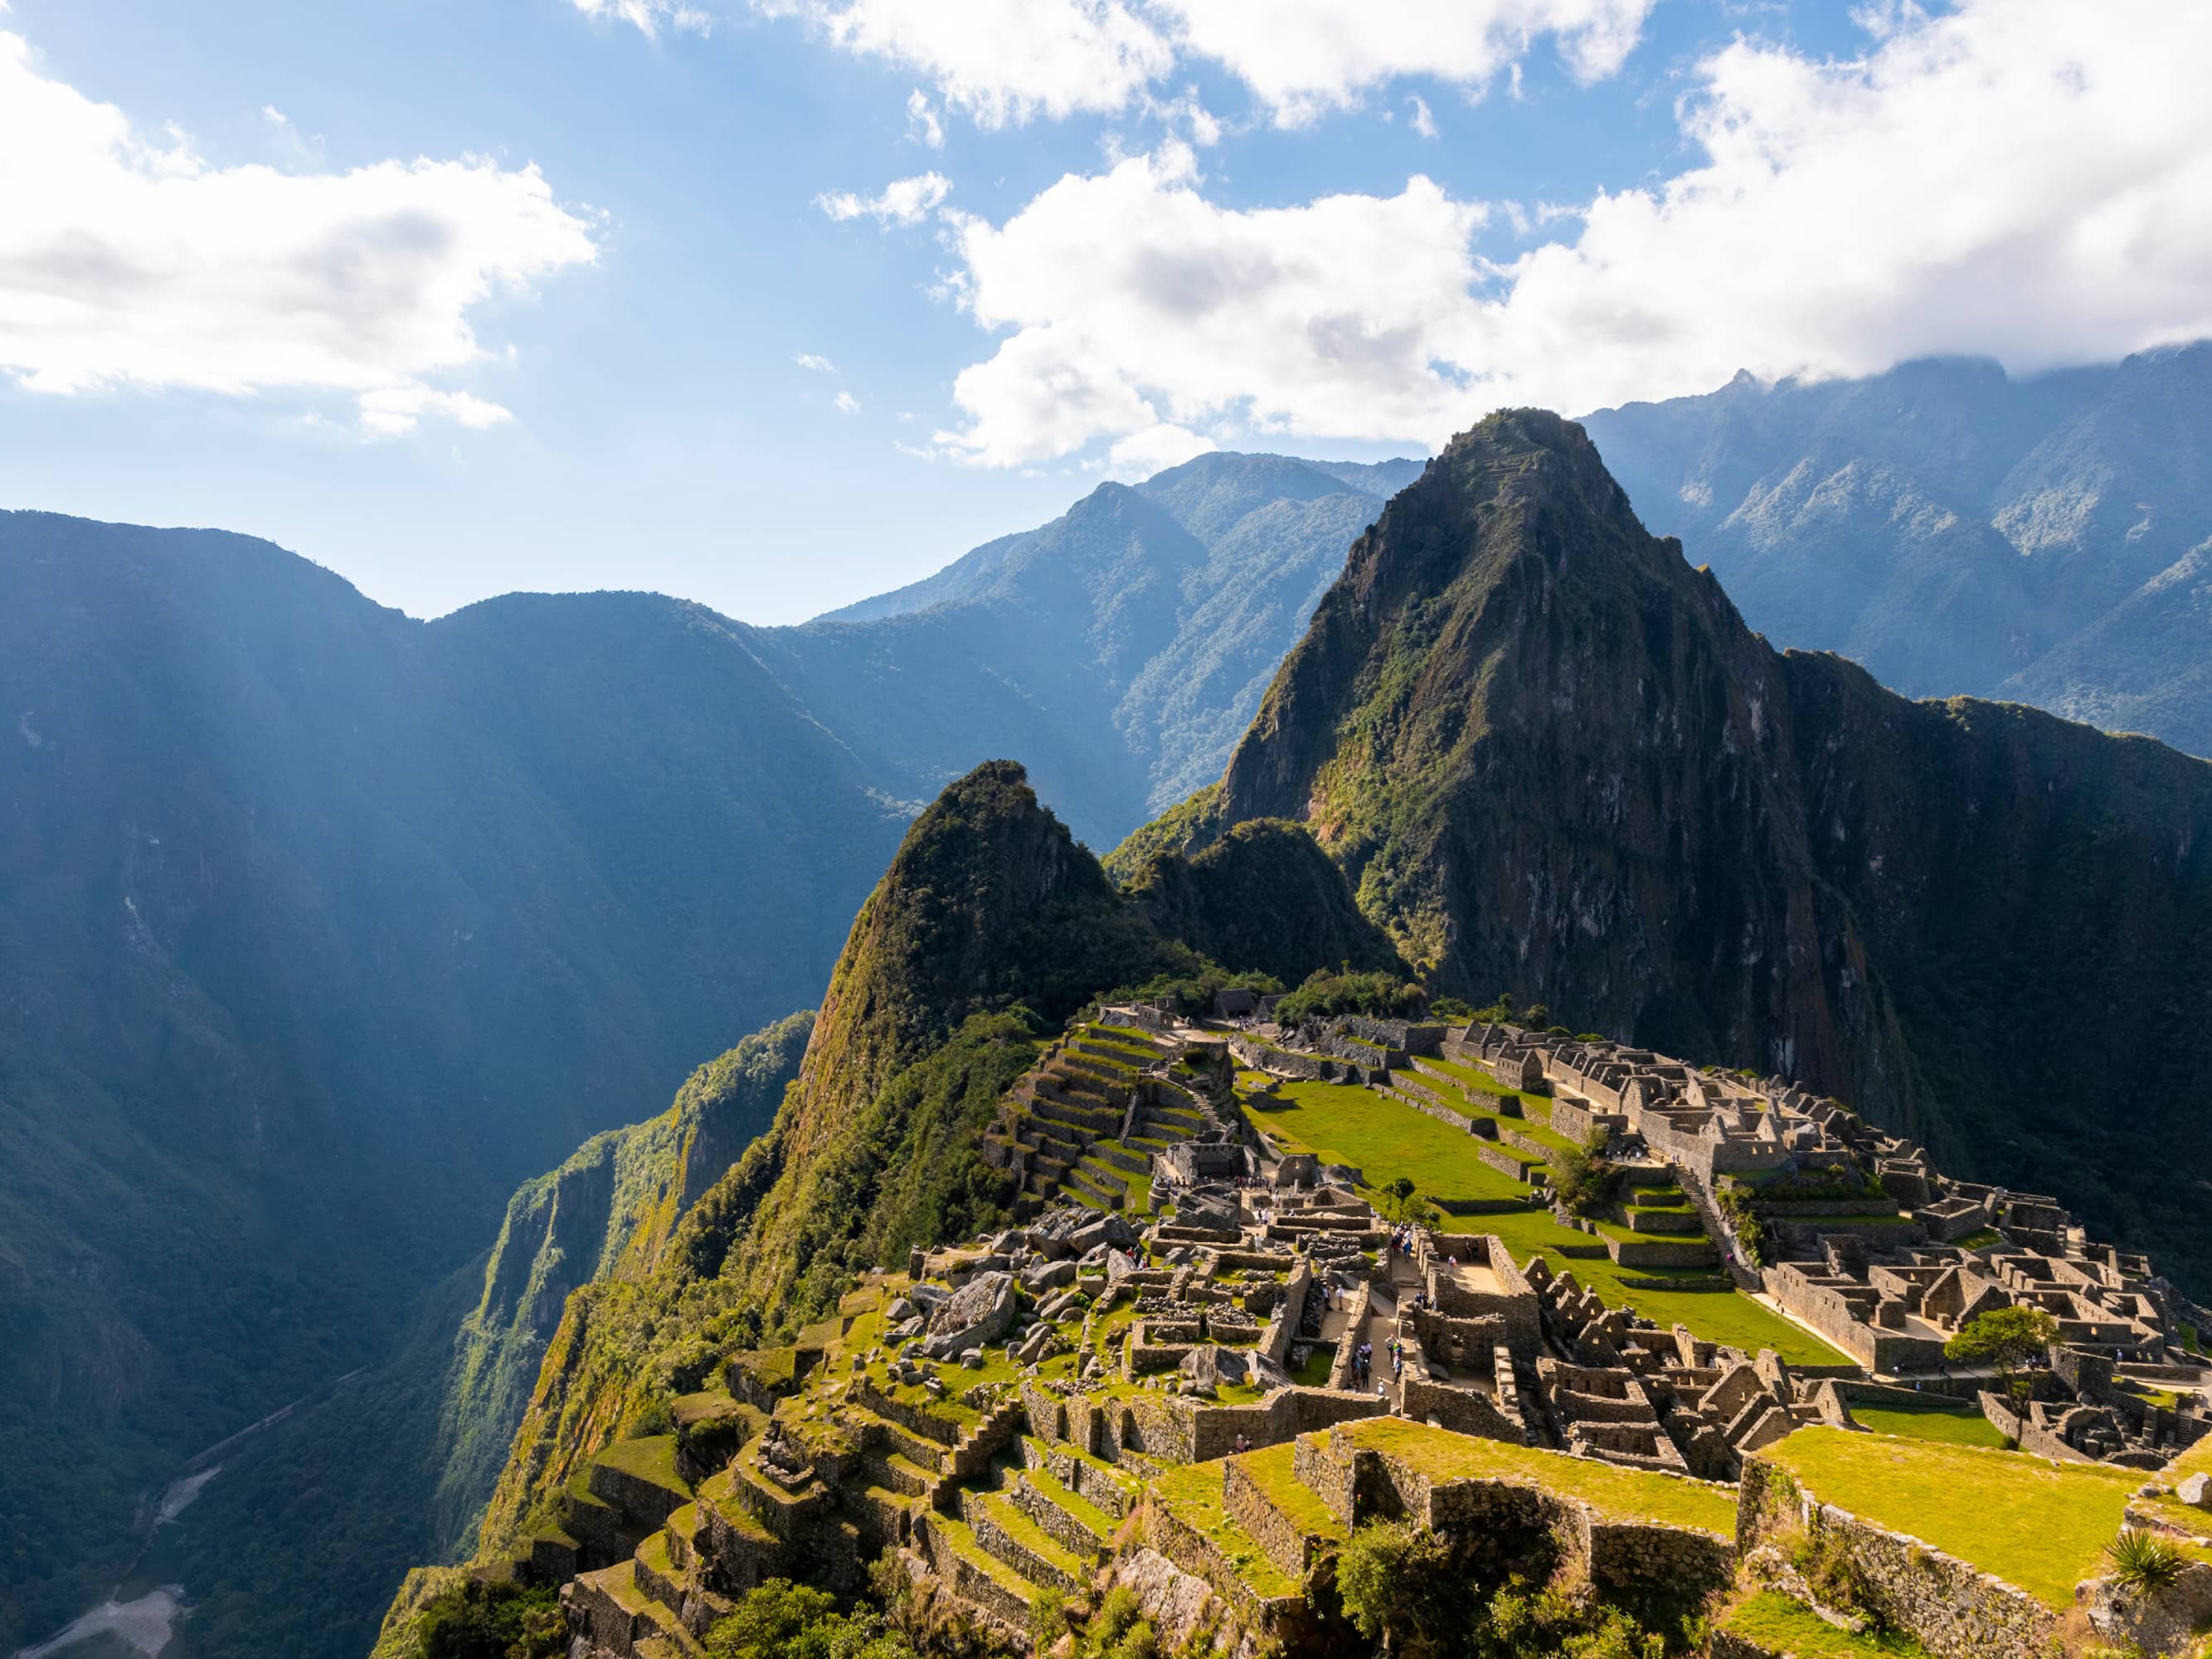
x=2037 y=1525
x=1960 y=1427
x=1385 y=1139
x=1619 y=1494
x=1783 y=1623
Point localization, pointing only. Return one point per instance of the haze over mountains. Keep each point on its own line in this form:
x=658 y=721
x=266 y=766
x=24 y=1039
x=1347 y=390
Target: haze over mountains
x=2046 y=540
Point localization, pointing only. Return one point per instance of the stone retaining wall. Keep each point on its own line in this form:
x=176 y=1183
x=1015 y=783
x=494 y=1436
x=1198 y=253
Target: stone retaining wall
x=1956 y=1611
x=1287 y=1546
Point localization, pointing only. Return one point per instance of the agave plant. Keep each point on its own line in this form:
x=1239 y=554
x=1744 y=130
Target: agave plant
x=2145 y=1561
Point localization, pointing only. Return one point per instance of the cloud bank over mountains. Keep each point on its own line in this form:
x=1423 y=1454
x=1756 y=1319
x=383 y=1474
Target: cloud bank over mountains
x=2027 y=179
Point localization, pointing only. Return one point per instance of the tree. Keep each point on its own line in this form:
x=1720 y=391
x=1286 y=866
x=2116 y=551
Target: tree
x=1396 y=1583
x=478 y=1621
x=783 y=1620
x=1581 y=1179
x=2010 y=1340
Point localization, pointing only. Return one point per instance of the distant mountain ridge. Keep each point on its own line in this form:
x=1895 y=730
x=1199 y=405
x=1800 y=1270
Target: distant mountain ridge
x=2041 y=540
x=1140 y=627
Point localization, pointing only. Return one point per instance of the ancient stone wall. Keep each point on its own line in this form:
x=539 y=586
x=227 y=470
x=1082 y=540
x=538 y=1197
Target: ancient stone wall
x=1955 y=1610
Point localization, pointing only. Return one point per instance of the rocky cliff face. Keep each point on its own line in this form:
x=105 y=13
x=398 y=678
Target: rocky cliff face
x=609 y=1212
x=1550 y=758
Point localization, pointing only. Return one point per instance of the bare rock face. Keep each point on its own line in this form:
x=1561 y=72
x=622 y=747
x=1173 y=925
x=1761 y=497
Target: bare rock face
x=1177 y=1602
x=975 y=1316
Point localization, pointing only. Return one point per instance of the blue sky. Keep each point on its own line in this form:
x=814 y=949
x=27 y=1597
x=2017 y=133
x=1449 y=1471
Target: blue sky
x=280 y=267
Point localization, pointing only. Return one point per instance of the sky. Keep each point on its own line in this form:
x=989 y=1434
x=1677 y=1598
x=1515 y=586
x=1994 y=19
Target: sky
x=774 y=304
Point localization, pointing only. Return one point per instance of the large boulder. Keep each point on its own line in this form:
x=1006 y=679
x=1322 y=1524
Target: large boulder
x=974 y=1316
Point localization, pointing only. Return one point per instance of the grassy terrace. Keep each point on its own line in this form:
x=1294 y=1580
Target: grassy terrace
x=652 y=1458
x=1476 y=1083
x=1192 y=1493
x=1080 y=1507
x=1617 y=1493
x=1345 y=1123
x=1957 y=1426
x=1783 y=1623
x=1383 y=1139
x=1271 y=1471
x=2037 y=1525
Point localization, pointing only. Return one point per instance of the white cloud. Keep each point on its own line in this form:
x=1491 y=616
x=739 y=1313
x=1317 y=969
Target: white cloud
x=130 y=262
x=2031 y=179
x=848 y=404
x=1424 y=124
x=1002 y=61
x=1154 y=450
x=921 y=122
x=1302 y=58
x=1136 y=302
x=1007 y=61
x=807 y=359
x=649 y=15
x=390 y=410
x=902 y=200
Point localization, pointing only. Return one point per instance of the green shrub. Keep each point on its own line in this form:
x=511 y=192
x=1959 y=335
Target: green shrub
x=2145 y=1561
x=1581 y=1179
x=1396 y=1584
x=1325 y=994
x=783 y=1620
x=476 y=1620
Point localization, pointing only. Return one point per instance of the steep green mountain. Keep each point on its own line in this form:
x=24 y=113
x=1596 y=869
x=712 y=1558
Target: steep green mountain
x=1955 y=530
x=313 y=943
x=609 y=1212
x=1551 y=757
x=989 y=927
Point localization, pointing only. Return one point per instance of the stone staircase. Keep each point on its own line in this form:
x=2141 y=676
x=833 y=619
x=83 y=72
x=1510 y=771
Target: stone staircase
x=1086 y=1121
x=1038 y=1519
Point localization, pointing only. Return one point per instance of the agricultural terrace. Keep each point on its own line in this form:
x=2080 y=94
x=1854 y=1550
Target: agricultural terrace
x=1782 y=1624
x=1616 y=1493
x=2039 y=1525
x=1385 y=1139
